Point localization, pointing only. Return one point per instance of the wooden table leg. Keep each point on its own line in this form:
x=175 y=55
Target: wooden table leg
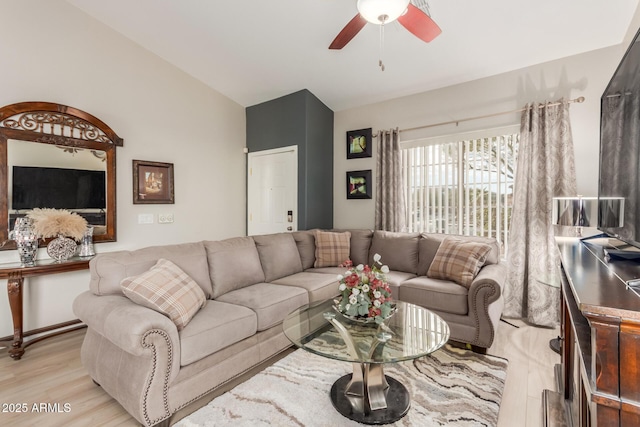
x=14 y=289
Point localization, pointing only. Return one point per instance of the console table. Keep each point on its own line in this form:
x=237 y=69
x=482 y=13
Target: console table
x=599 y=378
x=15 y=275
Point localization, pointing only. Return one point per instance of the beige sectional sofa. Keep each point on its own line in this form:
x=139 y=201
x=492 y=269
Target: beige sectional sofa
x=153 y=369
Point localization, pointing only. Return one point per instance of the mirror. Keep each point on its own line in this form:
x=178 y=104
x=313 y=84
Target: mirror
x=42 y=146
x=56 y=176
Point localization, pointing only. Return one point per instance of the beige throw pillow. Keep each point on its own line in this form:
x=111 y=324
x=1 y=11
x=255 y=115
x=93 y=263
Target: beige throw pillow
x=167 y=289
x=458 y=260
x=332 y=249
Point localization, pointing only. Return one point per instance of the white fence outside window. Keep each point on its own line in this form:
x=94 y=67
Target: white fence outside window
x=462 y=187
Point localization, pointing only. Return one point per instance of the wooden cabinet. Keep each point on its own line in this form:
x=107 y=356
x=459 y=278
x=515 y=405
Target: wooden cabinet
x=600 y=372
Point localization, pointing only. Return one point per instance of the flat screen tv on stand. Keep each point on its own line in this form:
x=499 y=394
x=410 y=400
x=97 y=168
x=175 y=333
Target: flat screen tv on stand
x=619 y=180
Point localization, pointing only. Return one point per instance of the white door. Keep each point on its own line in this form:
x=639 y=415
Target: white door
x=272 y=191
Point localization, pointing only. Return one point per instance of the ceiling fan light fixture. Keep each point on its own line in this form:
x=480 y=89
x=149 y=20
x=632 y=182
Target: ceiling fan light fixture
x=381 y=11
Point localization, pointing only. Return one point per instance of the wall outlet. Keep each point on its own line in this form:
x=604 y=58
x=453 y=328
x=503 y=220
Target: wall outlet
x=165 y=218
x=145 y=218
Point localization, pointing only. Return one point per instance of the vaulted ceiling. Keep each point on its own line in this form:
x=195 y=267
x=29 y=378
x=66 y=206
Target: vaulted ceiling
x=255 y=51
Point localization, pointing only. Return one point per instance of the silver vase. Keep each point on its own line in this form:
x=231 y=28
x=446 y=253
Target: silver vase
x=26 y=241
x=62 y=248
x=86 y=244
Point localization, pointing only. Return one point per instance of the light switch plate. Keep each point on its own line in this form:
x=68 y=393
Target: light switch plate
x=145 y=218
x=165 y=218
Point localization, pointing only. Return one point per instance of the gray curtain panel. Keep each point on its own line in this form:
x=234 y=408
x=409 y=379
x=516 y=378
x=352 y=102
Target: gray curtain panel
x=545 y=170
x=390 y=204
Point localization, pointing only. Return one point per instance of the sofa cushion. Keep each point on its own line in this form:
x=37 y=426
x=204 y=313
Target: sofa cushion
x=216 y=326
x=332 y=249
x=108 y=269
x=306 y=243
x=360 y=243
x=328 y=270
x=321 y=287
x=233 y=264
x=430 y=242
x=396 y=279
x=270 y=302
x=440 y=295
x=399 y=251
x=458 y=260
x=279 y=255
x=167 y=289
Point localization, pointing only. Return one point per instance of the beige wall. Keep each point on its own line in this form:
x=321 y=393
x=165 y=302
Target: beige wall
x=52 y=51
x=581 y=75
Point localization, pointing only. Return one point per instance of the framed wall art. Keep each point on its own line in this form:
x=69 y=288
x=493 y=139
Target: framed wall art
x=152 y=183
x=359 y=184
x=359 y=143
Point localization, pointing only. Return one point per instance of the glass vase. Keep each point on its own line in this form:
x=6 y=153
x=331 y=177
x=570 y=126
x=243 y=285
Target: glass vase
x=86 y=244
x=26 y=241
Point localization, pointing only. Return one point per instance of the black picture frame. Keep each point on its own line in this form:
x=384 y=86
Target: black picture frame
x=152 y=183
x=359 y=184
x=359 y=143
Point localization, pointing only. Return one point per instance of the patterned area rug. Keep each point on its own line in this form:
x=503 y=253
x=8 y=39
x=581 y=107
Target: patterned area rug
x=451 y=387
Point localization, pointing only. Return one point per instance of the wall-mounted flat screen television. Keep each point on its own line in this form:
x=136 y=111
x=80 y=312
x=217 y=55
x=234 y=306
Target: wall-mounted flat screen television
x=44 y=187
x=620 y=150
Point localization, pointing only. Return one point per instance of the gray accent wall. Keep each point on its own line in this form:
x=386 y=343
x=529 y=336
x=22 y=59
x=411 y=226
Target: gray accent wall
x=300 y=119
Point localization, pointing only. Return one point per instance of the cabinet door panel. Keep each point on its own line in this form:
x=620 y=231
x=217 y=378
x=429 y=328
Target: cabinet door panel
x=630 y=362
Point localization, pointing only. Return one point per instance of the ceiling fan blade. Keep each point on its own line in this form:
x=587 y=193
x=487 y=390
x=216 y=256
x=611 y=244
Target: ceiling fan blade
x=348 y=32
x=419 y=24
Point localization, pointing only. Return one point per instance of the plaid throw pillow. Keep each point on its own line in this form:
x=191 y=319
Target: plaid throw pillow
x=167 y=289
x=332 y=249
x=458 y=260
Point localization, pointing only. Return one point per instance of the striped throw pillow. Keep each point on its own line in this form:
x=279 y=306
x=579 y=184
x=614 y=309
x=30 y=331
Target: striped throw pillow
x=458 y=260
x=332 y=249
x=167 y=289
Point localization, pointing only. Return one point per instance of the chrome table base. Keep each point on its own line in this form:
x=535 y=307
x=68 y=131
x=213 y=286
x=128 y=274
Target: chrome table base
x=358 y=407
x=368 y=395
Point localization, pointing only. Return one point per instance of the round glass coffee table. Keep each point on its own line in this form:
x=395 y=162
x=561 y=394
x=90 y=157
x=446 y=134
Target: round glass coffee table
x=368 y=395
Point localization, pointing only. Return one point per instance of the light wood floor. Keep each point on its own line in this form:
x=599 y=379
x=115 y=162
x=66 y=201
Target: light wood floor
x=51 y=372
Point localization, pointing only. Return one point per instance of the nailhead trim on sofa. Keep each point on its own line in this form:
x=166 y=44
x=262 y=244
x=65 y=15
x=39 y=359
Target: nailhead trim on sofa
x=165 y=388
x=486 y=312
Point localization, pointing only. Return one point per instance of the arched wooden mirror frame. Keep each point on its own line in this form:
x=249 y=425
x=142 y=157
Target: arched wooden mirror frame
x=60 y=125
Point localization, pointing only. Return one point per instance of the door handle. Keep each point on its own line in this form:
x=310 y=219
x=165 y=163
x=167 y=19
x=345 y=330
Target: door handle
x=289 y=228
x=289 y=216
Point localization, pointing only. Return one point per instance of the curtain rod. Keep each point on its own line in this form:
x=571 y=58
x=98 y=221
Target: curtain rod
x=578 y=100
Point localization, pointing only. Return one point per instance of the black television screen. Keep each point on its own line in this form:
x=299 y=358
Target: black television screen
x=620 y=150
x=42 y=187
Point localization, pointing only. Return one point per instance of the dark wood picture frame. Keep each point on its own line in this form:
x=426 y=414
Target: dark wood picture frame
x=152 y=183
x=359 y=184
x=359 y=143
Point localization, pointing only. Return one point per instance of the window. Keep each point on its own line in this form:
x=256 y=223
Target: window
x=461 y=187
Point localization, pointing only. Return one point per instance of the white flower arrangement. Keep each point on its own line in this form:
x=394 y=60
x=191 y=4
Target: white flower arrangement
x=365 y=291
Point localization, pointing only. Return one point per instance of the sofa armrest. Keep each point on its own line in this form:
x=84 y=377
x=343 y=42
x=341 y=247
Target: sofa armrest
x=492 y=276
x=128 y=325
x=486 y=301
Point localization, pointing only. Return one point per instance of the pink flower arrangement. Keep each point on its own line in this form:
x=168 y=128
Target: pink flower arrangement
x=365 y=291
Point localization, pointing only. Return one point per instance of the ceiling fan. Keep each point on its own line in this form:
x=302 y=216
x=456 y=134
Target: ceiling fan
x=382 y=12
